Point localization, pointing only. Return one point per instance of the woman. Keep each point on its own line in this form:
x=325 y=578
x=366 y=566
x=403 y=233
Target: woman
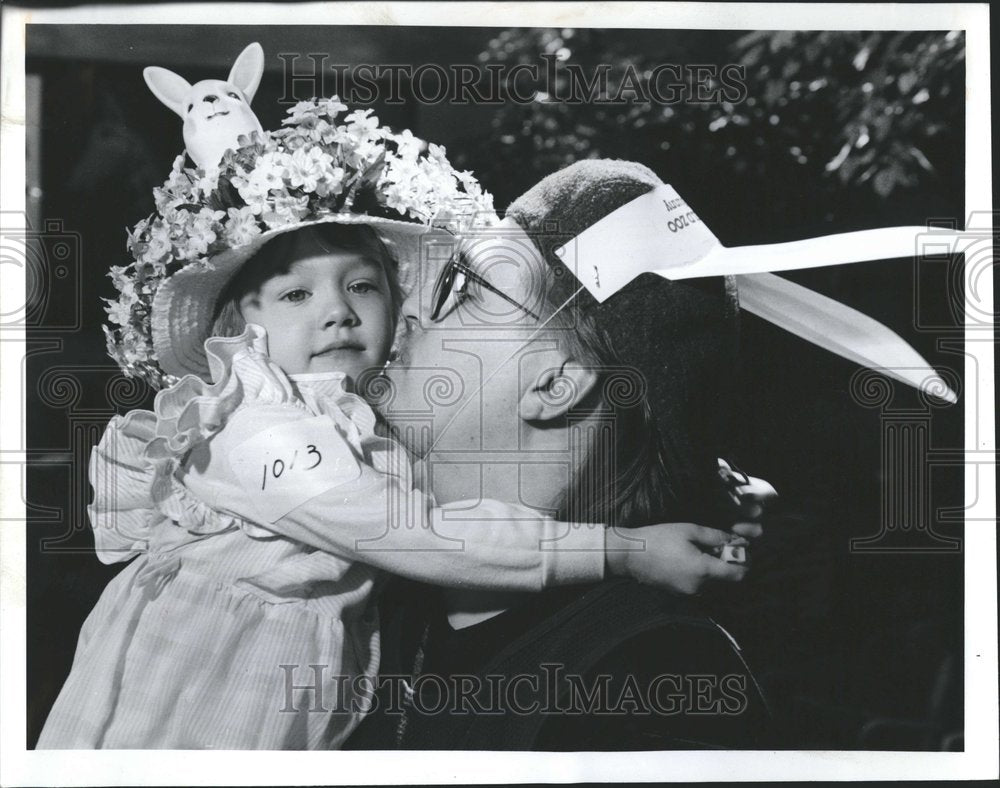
x=628 y=396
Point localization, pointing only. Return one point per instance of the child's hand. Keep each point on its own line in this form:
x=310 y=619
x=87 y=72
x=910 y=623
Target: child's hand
x=752 y=498
x=674 y=556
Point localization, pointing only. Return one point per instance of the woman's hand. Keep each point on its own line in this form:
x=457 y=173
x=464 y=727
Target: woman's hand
x=684 y=557
x=674 y=556
x=752 y=498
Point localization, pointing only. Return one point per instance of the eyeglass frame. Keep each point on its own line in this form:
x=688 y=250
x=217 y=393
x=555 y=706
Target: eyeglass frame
x=444 y=284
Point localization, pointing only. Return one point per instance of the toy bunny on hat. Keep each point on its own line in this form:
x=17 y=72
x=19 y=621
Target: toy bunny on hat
x=216 y=113
x=324 y=165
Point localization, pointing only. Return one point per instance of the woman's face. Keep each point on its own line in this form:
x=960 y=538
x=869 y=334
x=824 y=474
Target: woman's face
x=459 y=379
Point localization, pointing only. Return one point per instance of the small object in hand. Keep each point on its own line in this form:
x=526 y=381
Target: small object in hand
x=734 y=554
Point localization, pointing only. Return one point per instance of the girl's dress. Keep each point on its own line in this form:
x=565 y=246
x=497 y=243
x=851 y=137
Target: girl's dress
x=247 y=619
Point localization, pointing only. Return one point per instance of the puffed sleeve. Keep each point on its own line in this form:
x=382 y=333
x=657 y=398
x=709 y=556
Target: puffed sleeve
x=122 y=512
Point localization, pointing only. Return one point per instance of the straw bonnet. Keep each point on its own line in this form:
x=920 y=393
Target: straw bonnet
x=317 y=169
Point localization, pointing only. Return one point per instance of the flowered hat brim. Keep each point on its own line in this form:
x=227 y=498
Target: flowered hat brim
x=185 y=304
x=207 y=223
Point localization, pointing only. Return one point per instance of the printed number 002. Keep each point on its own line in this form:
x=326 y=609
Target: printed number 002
x=276 y=468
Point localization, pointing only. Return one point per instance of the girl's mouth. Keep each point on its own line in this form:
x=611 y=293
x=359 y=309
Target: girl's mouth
x=216 y=114
x=340 y=347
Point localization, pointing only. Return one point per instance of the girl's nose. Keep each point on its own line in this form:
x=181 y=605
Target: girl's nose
x=410 y=307
x=338 y=311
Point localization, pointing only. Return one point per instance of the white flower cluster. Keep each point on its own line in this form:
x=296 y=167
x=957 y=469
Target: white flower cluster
x=312 y=167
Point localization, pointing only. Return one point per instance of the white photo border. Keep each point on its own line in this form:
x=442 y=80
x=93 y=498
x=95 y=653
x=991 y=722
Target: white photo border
x=979 y=760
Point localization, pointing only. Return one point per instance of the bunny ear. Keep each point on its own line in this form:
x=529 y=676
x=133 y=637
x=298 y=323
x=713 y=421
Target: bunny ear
x=248 y=69
x=170 y=88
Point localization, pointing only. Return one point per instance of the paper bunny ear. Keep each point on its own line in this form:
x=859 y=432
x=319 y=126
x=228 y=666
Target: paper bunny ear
x=170 y=88
x=659 y=233
x=248 y=69
x=840 y=329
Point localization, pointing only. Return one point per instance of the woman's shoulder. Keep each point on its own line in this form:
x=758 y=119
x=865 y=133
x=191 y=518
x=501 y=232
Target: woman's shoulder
x=599 y=663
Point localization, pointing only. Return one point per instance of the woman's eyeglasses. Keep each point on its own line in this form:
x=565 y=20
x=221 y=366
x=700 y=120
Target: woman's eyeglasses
x=453 y=280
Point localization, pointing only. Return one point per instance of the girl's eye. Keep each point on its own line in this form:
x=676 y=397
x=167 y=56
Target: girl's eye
x=233 y=95
x=295 y=296
x=362 y=288
x=190 y=107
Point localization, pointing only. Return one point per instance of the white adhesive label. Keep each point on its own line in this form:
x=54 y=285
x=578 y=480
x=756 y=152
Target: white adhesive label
x=655 y=232
x=284 y=466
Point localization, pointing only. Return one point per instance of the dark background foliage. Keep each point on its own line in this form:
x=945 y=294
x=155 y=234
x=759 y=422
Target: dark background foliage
x=836 y=131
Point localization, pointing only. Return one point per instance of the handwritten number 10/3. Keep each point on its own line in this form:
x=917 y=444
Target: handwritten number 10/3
x=277 y=467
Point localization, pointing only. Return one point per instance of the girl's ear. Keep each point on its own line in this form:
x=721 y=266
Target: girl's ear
x=556 y=390
x=170 y=88
x=248 y=69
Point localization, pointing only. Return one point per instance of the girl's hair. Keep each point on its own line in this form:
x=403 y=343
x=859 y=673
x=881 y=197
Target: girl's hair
x=625 y=471
x=275 y=258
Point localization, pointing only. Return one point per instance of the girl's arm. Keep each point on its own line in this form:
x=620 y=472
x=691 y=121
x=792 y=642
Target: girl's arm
x=299 y=476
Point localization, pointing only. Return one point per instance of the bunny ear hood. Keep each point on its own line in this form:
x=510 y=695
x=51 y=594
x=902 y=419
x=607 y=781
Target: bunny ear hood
x=248 y=69
x=170 y=88
x=627 y=227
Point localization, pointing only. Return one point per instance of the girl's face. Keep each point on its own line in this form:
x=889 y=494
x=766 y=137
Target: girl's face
x=332 y=311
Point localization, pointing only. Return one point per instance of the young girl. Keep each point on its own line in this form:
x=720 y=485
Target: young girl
x=259 y=631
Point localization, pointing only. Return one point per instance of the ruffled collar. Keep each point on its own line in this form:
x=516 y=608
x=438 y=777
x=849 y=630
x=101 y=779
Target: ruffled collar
x=192 y=410
x=320 y=384
x=133 y=469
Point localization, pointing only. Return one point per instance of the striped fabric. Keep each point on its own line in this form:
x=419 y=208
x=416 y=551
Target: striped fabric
x=219 y=634
x=180 y=654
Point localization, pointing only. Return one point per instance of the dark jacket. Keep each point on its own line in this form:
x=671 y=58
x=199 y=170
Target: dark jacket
x=617 y=666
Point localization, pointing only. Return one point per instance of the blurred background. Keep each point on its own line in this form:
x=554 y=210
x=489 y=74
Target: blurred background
x=853 y=616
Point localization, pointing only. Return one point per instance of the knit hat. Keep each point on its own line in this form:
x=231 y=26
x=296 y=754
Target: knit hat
x=681 y=337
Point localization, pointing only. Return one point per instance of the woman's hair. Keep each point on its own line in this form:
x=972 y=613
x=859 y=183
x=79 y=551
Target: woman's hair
x=275 y=258
x=626 y=472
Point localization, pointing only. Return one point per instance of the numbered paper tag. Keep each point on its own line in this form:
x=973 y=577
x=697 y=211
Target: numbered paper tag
x=655 y=232
x=284 y=466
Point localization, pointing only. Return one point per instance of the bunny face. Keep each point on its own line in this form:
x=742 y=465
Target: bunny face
x=215 y=112
x=215 y=116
